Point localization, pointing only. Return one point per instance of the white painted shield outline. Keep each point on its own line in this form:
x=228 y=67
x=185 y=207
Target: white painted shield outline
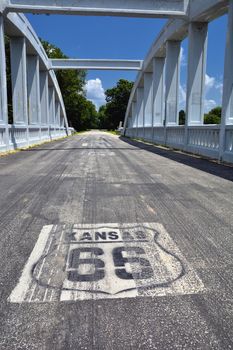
x=143 y=287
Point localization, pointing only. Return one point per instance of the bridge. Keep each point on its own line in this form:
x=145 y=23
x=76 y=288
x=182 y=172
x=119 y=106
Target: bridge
x=152 y=113
x=111 y=242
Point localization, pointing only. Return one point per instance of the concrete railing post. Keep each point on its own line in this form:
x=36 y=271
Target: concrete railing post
x=3 y=86
x=227 y=99
x=198 y=38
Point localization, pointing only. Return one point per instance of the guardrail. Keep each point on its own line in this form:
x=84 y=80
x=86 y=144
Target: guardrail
x=201 y=140
x=24 y=136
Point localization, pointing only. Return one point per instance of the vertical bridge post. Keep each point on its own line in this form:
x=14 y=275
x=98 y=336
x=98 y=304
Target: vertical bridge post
x=140 y=97
x=198 y=37
x=227 y=100
x=172 y=81
x=4 y=134
x=148 y=103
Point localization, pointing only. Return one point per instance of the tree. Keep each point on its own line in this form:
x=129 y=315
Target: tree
x=103 y=120
x=214 y=116
x=72 y=84
x=117 y=100
x=182 y=115
x=8 y=77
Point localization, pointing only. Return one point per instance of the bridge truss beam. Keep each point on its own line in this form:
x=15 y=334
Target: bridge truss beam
x=101 y=64
x=123 y=8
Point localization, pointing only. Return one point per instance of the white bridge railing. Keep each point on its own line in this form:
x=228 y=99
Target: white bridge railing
x=201 y=140
x=153 y=110
x=24 y=136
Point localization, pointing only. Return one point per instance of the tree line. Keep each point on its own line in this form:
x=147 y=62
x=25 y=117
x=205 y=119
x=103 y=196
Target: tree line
x=212 y=117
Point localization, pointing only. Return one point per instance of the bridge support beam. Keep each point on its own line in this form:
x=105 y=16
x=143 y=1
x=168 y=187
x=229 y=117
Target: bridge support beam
x=33 y=87
x=134 y=115
x=227 y=99
x=44 y=97
x=148 y=96
x=158 y=90
x=198 y=33
x=132 y=8
x=51 y=106
x=172 y=80
x=57 y=113
x=140 y=114
x=19 y=80
x=4 y=133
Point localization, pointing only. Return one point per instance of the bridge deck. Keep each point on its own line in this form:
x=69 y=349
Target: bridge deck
x=117 y=185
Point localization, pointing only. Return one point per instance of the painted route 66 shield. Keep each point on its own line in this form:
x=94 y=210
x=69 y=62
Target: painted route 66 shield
x=104 y=261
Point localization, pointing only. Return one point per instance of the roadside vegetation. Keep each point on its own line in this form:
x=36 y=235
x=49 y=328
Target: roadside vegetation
x=212 y=117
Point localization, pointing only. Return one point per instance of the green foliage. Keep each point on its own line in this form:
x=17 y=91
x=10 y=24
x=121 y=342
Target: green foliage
x=182 y=115
x=117 y=100
x=8 y=77
x=214 y=116
x=103 y=119
x=81 y=113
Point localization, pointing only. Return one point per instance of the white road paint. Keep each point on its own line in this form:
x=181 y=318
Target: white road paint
x=85 y=144
x=25 y=279
x=104 y=261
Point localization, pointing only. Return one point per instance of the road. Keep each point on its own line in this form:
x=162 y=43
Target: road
x=108 y=243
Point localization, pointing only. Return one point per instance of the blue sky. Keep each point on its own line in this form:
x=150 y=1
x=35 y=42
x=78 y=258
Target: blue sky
x=126 y=38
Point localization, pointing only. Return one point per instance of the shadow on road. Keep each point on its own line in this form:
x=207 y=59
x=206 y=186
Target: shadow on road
x=211 y=167
x=81 y=149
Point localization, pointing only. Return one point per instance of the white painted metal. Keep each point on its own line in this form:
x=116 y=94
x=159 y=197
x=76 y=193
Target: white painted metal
x=172 y=80
x=44 y=97
x=127 y=8
x=195 y=137
x=57 y=113
x=4 y=135
x=134 y=114
x=196 y=73
x=19 y=80
x=227 y=99
x=33 y=90
x=102 y=64
x=148 y=99
x=140 y=104
x=158 y=90
x=51 y=106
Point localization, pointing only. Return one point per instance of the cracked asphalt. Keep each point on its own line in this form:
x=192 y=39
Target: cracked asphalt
x=96 y=178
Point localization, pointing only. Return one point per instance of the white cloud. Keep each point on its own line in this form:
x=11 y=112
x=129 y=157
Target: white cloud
x=95 y=92
x=210 y=82
x=209 y=104
x=219 y=86
x=182 y=97
x=182 y=57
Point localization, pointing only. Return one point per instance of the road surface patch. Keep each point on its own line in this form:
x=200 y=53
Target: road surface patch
x=104 y=261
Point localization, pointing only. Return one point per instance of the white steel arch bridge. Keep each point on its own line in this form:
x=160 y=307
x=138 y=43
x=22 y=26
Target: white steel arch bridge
x=152 y=113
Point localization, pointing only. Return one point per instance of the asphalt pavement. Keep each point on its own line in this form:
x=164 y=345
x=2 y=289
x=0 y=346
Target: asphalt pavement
x=109 y=243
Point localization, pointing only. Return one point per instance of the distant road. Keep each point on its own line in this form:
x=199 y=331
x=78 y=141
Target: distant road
x=107 y=243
